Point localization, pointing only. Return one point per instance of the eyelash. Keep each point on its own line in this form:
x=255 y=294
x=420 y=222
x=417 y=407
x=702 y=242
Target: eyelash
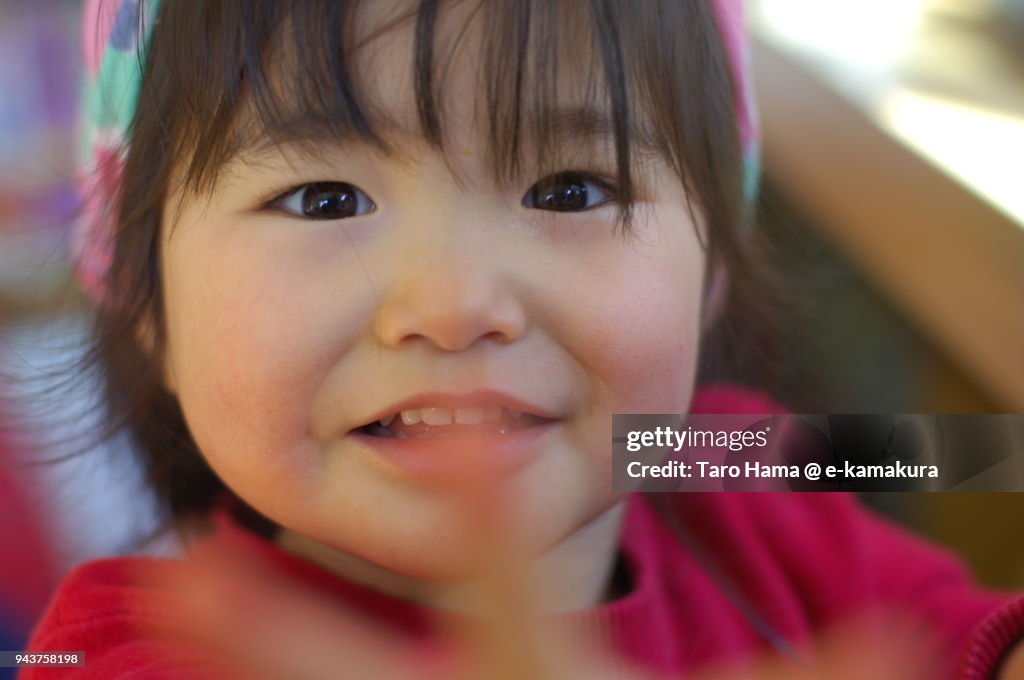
x=529 y=200
x=602 y=183
x=278 y=202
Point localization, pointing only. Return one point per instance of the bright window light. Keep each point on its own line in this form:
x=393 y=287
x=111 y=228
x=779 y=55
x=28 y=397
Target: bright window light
x=980 y=147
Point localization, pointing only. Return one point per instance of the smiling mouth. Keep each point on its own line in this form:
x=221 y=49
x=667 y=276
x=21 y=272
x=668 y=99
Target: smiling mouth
x=431 y=423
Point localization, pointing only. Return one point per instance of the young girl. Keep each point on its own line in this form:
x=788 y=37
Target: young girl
x=371 y=279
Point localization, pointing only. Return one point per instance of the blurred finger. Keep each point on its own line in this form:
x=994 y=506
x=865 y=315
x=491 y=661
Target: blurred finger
x=878 y=647
x=260 y=626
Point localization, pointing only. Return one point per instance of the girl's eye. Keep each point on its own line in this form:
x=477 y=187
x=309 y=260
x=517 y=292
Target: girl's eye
x=568 y=192
x=325 y=201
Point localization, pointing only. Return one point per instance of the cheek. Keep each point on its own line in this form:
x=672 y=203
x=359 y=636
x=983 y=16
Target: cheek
x=631 y=317
x=639 y=330
x=652 y=343
x=249 y=351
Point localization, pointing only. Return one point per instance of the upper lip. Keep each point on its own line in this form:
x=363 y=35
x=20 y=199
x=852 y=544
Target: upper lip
x=453 y=400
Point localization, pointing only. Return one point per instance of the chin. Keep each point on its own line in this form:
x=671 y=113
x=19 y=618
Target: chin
x=441 y=553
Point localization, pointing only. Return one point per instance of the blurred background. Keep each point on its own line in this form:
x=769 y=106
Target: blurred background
x=893 y=204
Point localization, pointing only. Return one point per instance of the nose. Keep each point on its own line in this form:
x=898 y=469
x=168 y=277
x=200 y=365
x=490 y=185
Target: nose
x=451 y=301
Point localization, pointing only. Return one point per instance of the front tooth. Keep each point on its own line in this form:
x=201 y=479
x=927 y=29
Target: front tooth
x=411 y=416
x=492 y=414
x=469 y=416
x=516 y=414
x=386 y=421
x=437 y=416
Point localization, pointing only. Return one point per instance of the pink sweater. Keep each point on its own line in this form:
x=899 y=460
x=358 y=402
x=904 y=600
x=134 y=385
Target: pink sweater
x=754 y=570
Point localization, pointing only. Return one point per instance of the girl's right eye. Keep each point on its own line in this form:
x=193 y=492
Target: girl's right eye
x=325 y=201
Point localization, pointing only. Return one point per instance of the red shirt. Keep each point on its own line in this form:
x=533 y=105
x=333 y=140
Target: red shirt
x=756 y=570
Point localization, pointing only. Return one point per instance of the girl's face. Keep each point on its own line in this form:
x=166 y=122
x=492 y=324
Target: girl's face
x=298 y=314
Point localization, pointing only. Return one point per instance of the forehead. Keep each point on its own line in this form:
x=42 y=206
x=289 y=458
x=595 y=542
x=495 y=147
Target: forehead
x=392 y=50
x=473 y=53
x=518 y=77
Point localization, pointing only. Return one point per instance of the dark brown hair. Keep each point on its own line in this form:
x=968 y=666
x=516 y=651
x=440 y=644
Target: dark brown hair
x=657 y=70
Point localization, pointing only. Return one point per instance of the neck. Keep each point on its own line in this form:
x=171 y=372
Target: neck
x=576 y=574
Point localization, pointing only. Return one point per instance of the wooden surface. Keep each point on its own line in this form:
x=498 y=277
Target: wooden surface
x=951 y=262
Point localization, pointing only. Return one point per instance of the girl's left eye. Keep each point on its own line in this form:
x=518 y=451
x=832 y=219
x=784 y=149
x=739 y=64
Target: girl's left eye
x=569 y=192
x=325 y=201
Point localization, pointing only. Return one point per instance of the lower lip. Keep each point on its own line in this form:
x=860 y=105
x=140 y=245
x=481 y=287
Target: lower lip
x=434 y=458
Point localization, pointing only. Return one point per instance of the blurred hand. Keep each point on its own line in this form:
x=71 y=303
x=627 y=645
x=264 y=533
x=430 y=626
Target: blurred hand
x=254 y=624
x=257 y=626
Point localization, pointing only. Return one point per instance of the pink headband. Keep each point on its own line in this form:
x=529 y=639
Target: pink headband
x=114 y=36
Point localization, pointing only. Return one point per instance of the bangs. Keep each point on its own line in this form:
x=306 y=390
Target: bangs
x=553 y=82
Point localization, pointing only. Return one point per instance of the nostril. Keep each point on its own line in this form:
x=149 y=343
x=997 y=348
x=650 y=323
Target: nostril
x=498 y=338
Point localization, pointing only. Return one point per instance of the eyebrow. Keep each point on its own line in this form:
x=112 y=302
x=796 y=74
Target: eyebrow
x=574 y=126
x=587 y=124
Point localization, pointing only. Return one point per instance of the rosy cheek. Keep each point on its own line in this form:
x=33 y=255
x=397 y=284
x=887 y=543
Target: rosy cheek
x=238 y=368
x=655 y=350
x=639 y=330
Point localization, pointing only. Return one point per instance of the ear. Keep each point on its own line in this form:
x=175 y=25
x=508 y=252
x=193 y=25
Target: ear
x=716 y=294
x=145 y=334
